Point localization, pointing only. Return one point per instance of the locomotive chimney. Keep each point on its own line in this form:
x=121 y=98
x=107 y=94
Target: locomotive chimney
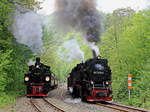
x=94 y=54
x=37 y=61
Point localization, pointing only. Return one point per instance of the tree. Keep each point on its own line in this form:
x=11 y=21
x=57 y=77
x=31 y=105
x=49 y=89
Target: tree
x=13 y=56
x=126 y=44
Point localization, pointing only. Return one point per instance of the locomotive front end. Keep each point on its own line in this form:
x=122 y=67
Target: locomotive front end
x=91 y=81
x=99 y=95
x=100 y=81
x=38 y=80
x=100 y=92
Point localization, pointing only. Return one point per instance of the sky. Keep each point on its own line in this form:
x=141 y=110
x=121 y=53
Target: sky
x=106 y=6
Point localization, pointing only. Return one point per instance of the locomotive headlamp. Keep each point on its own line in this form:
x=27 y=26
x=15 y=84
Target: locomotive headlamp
x=107 y=83
x=47 y=78
x=26 y=78
x=92 y=82
x=37 y=66
x=68 y=76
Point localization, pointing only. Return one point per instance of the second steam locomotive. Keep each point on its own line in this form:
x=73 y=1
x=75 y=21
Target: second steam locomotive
x=91 y=80
x=39 y=79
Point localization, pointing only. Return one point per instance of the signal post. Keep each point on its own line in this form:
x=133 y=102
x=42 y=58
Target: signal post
x=129 y=84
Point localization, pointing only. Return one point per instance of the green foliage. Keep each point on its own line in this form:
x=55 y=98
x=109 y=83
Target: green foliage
x=4 y=64
x=13 y=64
x=21 y=55
x=5 y=99
x=13 y=56
x=126 y=45
x=52 y=42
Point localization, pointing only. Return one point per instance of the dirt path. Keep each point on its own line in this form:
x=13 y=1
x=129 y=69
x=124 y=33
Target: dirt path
x=6 y=109
x=61 y=98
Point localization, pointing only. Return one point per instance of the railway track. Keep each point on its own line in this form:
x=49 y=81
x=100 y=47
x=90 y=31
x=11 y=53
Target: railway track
x=50 y=105
x=112 y=106
x=53 y=105
x=34 y=105
x=122 y=108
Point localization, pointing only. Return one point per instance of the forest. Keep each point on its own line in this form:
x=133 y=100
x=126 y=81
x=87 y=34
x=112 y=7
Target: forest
x=125 y=42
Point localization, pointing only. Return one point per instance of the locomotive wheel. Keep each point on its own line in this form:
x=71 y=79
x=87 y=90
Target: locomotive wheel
x=74 y=94
x=83 y=94
x=83 y=98
x=46 y=89
x=28 y=90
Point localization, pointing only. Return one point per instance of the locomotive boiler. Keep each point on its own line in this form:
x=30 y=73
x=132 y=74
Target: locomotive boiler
x=39 y=79
x=91 y=81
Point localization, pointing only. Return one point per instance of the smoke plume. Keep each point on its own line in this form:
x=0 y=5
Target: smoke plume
x=70 y=50
x=80 y=14
x=27 y=29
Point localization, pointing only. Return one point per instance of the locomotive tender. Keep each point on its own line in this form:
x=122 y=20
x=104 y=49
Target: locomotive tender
x=91 y=80
x=39 y=80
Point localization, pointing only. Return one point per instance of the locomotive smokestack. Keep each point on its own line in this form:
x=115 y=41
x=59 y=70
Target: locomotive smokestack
x=94 y=54
x=37 y=61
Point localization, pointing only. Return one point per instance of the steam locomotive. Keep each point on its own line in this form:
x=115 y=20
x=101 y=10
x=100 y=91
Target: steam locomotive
x=91 y=81
x=39 y=80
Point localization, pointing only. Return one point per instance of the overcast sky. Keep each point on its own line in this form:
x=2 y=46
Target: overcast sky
x=103 y=5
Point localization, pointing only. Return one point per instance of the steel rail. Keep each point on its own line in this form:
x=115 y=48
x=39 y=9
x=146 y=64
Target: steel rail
x=33 y=105
x=53 y=105
x=129 y=107
x=122 y=108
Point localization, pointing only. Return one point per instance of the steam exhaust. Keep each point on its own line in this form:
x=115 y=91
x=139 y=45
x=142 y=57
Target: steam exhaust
x=81 y=15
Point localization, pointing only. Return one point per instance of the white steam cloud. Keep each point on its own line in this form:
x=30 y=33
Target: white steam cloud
x=70 y=50
x=31 y=62
x=94 y=47
x=27 y=29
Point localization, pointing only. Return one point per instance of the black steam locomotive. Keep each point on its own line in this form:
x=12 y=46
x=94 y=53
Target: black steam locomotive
x=91 y=80
x=39 y=80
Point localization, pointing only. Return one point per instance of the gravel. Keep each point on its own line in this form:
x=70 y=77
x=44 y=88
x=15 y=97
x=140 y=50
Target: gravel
x=62 y=94
x=61 y=98
x=23 y=105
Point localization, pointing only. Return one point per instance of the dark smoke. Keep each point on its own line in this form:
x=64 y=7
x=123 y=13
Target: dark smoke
x=80 y=14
